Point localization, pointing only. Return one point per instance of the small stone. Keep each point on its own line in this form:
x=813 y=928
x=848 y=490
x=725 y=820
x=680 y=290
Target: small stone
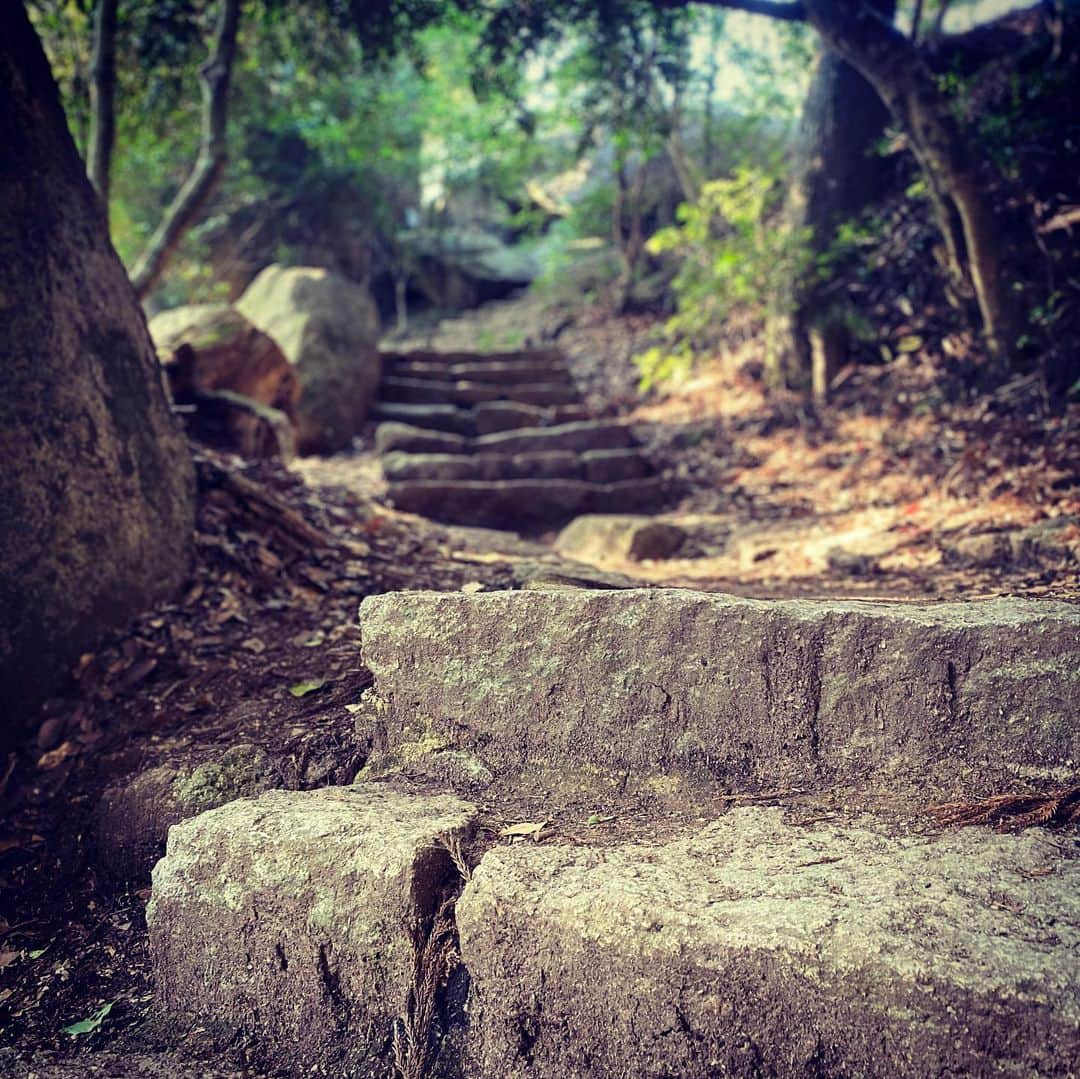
x=51 y=733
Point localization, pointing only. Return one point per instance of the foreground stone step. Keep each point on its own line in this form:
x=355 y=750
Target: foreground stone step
x=601 y=466
x=296 y=917
x=511 y=372
x=578 y=437
x=941 y=700
x=419 y=391
x=519 y=503
x=432 y=417
x=757 y=948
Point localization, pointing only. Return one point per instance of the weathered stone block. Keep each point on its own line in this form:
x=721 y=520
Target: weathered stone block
x=952 y=698
x=757 y=948
x=294 y=915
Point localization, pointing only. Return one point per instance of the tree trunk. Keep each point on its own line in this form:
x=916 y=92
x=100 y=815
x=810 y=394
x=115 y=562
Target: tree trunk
x=102 y=100
x=96 y=487
x=905 y=83
x=214 y=77
x=836 y=174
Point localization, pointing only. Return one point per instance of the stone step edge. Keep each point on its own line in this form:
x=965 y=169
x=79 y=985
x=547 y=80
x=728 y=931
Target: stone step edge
x=958 y=699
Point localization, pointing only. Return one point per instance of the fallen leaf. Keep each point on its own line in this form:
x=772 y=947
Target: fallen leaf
x=525 y=828
x=597 y=819
x=7 y=958
x=302 y=689
x=472 y=587
x=58 y=755
x=90 y=1024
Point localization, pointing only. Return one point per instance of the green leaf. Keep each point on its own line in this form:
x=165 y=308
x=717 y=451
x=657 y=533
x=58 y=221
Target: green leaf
x=302 y=689
x=37 y=953
x=88 y=1026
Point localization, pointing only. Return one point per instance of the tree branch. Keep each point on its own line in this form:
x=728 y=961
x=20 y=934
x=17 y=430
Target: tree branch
x=214 y=75
x=784 y=10
x=102 y=100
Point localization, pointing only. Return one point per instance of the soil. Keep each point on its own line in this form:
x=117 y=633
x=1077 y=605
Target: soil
x=866 y=496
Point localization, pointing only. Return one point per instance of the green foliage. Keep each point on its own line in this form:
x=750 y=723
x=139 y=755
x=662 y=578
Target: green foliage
x=735 y=252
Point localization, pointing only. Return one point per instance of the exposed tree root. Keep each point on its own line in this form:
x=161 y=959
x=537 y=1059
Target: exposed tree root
x=1013 y=812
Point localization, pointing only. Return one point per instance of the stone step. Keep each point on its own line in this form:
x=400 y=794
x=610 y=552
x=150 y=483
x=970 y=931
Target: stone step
x=542 y=357
x=509 y=373
x=520 y=503
x=581 y=436
x=596 y=466
x=406 y=438
x=943 y=700
x=760 y=948
x=433 y=417
x=297 y=917
x=322 y=924
x=491 y=417
x=419 y=391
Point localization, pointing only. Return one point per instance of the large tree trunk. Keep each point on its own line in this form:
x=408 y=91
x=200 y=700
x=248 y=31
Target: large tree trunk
x=96 y=489
x=214 y=78
x=835 y=176
x=102 y=100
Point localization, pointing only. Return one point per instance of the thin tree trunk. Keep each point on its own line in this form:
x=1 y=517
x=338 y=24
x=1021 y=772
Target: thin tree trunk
x=899 y=74
x=102 y=100
x=214 y=77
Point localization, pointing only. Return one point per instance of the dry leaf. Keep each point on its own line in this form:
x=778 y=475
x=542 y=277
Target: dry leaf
x=525 y=828
x=58 y=755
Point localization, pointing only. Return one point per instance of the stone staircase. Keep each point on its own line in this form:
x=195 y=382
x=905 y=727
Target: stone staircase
x=655 y=833
x=502 y=439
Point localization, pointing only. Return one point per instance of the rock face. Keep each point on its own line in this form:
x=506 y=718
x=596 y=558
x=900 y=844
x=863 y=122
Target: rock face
x=949 y=698
x=326 y=326
x=134 y=817
x=757 y=948
x=96 y=485
x=296 y=916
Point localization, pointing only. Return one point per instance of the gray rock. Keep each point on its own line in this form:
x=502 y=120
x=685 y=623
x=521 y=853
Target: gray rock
x=605 y=537
x=944 y=699
x=327 y=327
x=394 y=436
x=757 y=948
x=585 y=435
x=434 y=417
x=295 y=917
x=133 y=817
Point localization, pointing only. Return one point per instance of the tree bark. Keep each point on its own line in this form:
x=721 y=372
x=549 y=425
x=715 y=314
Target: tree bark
x=96 y=489
x=214 y=77
x=102 y=100
x=835 y=175
x=906 y=84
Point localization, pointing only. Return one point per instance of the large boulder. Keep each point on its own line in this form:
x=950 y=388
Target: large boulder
x=96 y=485
x=327 y=327
x=226 y=352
